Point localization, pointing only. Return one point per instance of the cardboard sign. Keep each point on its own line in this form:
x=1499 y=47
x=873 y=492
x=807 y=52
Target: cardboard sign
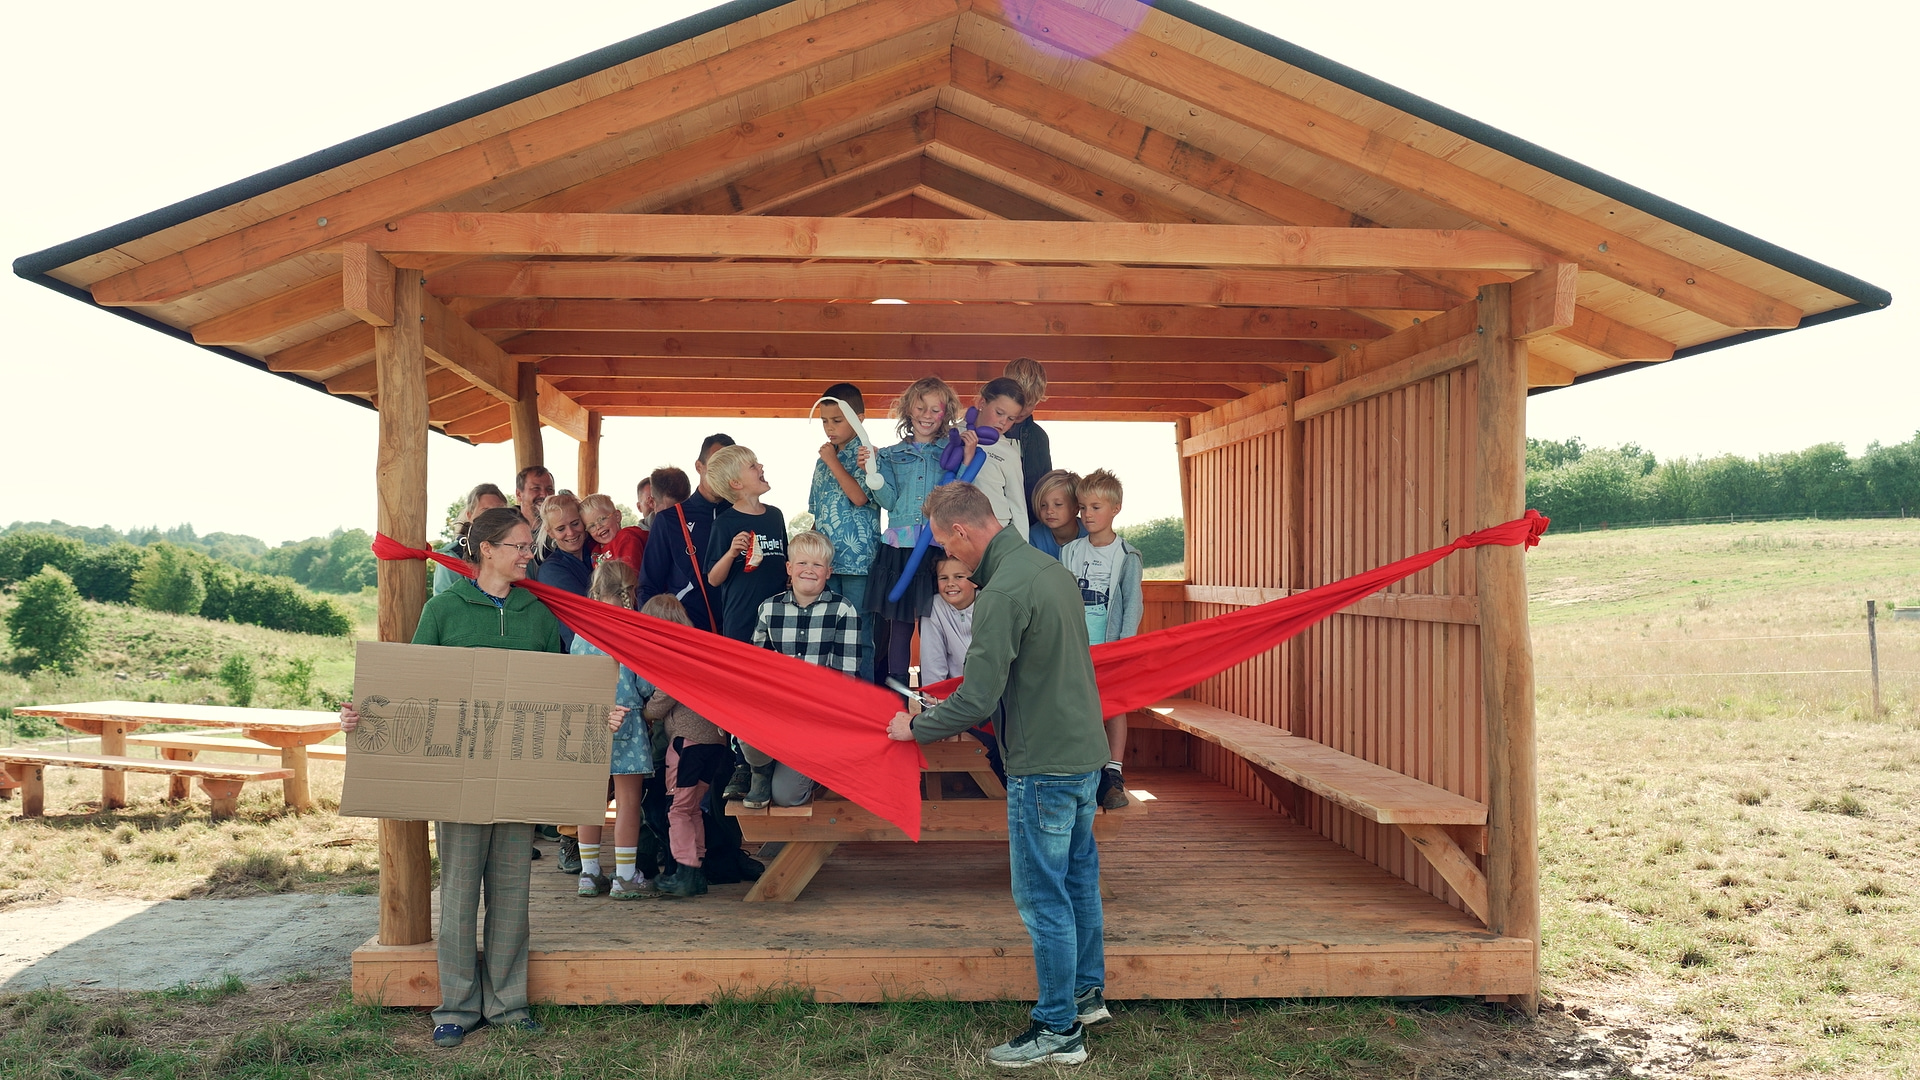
x=478 y=735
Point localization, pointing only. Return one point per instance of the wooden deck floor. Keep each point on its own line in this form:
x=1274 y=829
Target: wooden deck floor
x=1213 y=896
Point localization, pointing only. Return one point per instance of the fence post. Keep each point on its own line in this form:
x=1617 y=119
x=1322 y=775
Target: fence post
x=1873 y=655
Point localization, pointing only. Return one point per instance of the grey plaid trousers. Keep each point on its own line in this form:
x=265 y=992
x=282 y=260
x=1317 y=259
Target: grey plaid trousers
x=496 y=858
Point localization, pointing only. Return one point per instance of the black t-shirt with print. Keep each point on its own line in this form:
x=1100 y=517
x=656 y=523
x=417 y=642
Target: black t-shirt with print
x=742 y=593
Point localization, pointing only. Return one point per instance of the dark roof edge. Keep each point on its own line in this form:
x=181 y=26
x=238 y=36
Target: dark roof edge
x=151 y=323
x=41 y=262
x=1853 y=288
x=1706 y=347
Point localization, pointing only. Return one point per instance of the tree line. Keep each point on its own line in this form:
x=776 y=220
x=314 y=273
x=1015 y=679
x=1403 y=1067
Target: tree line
x=1579 y=487
x=340 y=562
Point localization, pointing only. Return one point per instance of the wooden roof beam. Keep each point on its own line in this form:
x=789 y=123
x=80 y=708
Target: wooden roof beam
x=565 y=371
x=1253 y=104
x=964 y=192
x=858 y=193
x=1086 y=194
x=881 y=389
x=658 y=236
x=325 y=222
x=909 y=281
x=1056 y=320
x=739 y=411
x=1074 y=117
x=796 y=405
x=275 y=315
x=773 y=348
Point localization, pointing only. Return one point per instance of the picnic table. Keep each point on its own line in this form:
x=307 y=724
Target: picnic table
x=290 y=730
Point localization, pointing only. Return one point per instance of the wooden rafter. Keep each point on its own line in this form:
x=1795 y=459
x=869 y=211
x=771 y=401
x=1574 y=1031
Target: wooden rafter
x=957 y=372
x=1058 y=320
x=909 y=281
x=327 y=221
x=986 y=152
x=717 y=404
x=1265 y=109
x=664 y=236
x=881 y=389
x=961 y=190
x=770 y=348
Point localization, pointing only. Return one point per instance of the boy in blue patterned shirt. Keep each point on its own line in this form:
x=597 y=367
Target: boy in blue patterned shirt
x=844 y=511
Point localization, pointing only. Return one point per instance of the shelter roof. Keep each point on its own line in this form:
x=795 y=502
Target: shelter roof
x=1107 y=112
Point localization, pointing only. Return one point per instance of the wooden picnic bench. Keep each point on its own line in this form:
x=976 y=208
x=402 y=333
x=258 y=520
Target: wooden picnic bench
x=222 y=783
x=291 y=731
x=189 y=745
x=810 y=833
x=1444 y=825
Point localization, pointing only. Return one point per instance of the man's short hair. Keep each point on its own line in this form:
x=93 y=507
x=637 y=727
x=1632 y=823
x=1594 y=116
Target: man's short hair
x=848 y=393
x=520 y=478
x=811 y=543
x=1004 y=387
x=729 y=463
x=670 y=483
x=954 y=502
x=712 y=443
x=1100 y=483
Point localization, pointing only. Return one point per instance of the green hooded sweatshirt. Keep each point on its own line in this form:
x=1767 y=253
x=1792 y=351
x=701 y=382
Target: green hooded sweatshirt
x=1028 y=669
x=463 y=617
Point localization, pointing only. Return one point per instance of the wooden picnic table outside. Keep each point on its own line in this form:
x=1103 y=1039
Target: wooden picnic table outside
x=291 y=730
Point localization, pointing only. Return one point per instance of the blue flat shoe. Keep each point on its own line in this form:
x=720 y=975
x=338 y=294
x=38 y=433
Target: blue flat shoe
x=448 y=1036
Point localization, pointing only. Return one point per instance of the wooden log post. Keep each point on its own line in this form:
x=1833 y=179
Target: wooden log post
x=588 y=478
x=113 y=782
x=1294 y=551
x=1506 y=650
x=400 y=474
x=525 y=415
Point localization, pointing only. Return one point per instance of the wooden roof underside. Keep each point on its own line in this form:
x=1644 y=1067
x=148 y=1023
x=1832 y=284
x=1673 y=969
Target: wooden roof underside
x=1023 y=110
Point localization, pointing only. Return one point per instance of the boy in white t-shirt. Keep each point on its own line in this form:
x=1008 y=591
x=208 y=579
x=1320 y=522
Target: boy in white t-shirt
x=1109 y=571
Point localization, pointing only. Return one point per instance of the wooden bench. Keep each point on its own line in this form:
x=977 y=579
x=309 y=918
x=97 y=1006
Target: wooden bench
x=811 y=832
x=188 y=745
x=1442 y=824
x=222 y=783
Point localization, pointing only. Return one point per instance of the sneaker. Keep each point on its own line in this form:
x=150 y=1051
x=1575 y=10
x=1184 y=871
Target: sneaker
x=1041 y=1045
x=687 y=881
x=738 y=785
x=1113 y=790
x=759 y=789
x=569 y=855
x=448 y=1036
x=546 y=832
x=526 y=1025
x=634 y=889
x=1090 y=1006
x=592 y=885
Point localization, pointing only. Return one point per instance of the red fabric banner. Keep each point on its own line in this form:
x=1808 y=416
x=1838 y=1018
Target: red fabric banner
x=832 y=728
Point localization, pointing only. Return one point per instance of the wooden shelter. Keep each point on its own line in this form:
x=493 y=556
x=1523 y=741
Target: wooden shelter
x=1339 y=294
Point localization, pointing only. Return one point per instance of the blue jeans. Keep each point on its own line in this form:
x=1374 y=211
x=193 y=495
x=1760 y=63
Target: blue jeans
x=853 y=589
x=1056 y=886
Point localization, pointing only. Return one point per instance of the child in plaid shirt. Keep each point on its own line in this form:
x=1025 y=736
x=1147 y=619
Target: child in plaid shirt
x=815 y=624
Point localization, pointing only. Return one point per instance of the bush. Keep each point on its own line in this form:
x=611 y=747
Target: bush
x=48 y=623
x=106 y=573
x=275 y=603
x=23 y=554
x=1161 y=542
x=236 y=674
x=297 y=681
x=169 y=579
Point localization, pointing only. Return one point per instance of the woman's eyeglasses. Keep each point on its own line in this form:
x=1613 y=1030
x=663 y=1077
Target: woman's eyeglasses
x=524 y=549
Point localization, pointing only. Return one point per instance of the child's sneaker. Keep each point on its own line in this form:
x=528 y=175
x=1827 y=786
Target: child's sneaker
x=569 y=855
x=1090 y=1006
x=759 y=789
x=592 y=885
x=737 y=786
x=1113 y=790
x=633 y=889
x=1041 y=1045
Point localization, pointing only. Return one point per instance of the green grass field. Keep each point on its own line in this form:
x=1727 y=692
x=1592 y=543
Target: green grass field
x=1730 y=872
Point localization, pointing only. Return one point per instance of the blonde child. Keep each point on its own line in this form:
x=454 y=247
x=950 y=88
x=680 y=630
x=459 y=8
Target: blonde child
x=809 y=622
x=1036 y=449
x=1109 y=570
x=613 y=583
x=1056 y=513
x=924 y=417
x=945 y=636
x=843 y=507
x=696 y=750
x=612 y=537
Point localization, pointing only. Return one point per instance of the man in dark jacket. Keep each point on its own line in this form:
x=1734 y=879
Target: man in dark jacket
x=671 y=563
x=1029 y=671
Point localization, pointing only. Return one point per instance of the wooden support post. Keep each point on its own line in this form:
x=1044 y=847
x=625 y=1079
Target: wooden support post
x=1506 y=651
x=1873 y=657
x=179 y=788
x=526 y=421
x=786 y=877
x=113 y=782
x=588 y=479
x=1182 y=431
x=1294 y=552
x=299 y=797
x=31 y=779
x=400 y=474
x=224 y=794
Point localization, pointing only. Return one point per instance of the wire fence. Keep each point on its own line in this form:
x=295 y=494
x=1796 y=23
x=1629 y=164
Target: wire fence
x=1726 y=519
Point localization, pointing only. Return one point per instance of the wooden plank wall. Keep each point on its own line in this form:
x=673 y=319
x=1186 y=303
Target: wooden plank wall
x=1386 y=477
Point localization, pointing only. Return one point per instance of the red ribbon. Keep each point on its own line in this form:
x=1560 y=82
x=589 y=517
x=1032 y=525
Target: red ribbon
x=832 y=728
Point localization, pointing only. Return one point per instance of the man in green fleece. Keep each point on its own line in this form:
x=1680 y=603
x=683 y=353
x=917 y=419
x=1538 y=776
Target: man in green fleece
x=1029 y=671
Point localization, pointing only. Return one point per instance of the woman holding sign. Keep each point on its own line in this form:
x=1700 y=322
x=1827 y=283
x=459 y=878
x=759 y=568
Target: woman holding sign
x=486 y=612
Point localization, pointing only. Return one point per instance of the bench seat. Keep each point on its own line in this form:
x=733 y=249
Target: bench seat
x=194 y=743
x=1433 y=818
x=222 y=783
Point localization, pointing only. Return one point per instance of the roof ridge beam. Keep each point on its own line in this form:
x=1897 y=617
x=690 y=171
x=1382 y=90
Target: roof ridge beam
x=1264 y=109
x=323 y=223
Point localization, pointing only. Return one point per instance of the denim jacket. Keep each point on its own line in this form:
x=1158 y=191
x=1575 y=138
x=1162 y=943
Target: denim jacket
x=912 y=470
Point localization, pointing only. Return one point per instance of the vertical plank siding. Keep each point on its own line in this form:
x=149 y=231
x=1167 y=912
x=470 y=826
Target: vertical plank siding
x=1384 y=478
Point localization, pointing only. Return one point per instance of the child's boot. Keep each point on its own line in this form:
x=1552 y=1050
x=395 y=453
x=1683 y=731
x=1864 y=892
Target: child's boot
x=737 y=786
x=687 y=881
x=760 y=789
